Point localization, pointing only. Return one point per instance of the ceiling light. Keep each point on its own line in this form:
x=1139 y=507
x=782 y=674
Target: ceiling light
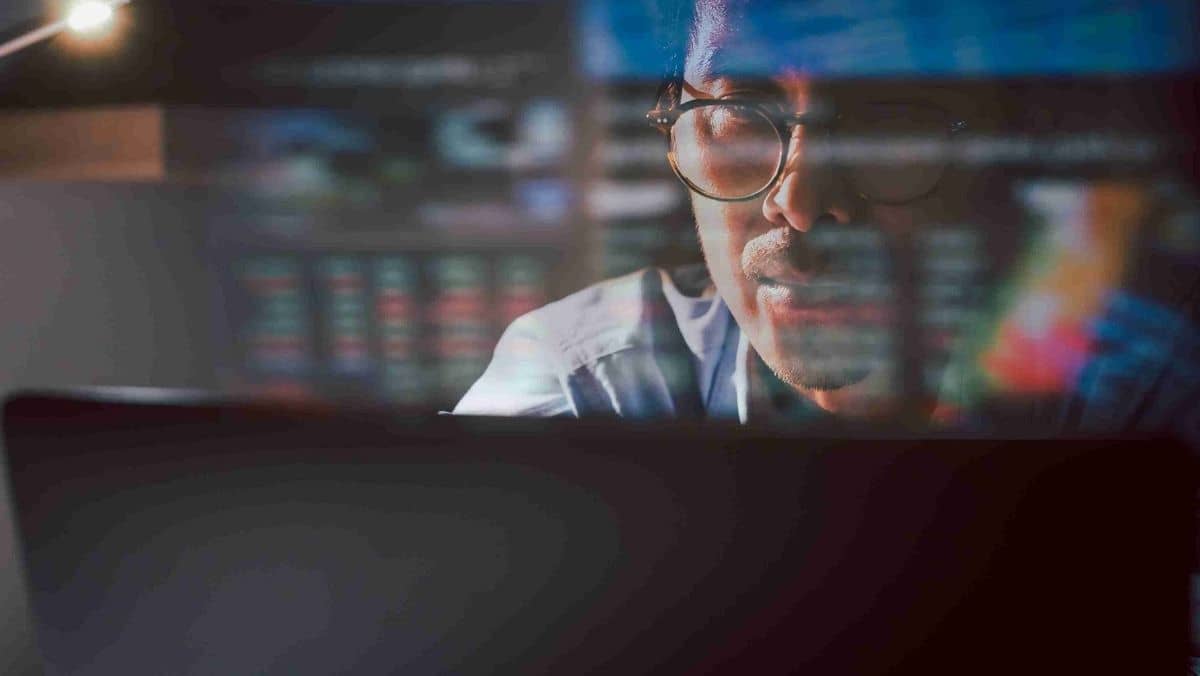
x=90 y=16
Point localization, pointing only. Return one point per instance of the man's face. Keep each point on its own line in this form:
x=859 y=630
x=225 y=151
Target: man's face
x=805 y=268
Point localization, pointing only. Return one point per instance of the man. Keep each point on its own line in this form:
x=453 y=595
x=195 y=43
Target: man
x=812 y=258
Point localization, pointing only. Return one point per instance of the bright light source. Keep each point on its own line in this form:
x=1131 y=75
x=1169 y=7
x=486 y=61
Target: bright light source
x=87 y=17
x=90 y=16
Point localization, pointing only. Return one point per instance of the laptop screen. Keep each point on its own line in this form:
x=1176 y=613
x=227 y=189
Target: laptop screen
x=220 y=539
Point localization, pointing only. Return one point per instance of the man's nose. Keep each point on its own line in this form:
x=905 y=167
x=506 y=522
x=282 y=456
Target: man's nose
x=806 y=192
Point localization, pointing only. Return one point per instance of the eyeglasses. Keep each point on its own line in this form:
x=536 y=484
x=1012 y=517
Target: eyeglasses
x=735 y=150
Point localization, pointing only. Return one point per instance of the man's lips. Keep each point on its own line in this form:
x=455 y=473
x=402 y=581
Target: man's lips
x=777 y=271
x=800 y=297
x=808 y=291
x=801 y=302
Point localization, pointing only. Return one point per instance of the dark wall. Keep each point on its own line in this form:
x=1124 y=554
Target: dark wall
x=102 y=285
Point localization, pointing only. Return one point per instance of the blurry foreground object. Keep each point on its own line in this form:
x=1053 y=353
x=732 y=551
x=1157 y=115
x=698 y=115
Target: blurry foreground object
x=194 y=537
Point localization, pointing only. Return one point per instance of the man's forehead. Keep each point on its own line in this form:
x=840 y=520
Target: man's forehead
x=727 y=44
x=782 y=80
x=722 y=44
x=729 y=50
x=773 y=40
x=915 y=38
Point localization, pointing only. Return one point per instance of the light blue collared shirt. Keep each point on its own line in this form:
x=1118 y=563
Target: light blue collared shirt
x=649 y=344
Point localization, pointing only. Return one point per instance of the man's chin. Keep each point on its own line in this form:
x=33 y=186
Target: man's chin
x=813 y=375
x=822 y=358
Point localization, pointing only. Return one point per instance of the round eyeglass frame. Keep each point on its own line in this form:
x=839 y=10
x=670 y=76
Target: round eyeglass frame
x=784 y=124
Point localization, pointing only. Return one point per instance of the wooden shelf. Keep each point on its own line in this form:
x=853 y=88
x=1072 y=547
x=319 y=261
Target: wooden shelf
x=123 y=143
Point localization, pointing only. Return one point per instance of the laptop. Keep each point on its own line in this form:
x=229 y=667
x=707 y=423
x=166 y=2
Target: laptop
x=205 y=537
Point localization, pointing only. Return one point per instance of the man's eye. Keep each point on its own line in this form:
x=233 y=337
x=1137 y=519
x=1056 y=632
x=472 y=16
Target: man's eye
x=726 y=119
x=762 y=97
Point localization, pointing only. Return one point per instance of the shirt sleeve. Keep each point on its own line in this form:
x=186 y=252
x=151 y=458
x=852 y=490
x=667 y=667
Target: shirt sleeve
x=523 y=378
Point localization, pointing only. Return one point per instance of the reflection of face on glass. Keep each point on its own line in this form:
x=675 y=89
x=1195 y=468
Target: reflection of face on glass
x=801 y=191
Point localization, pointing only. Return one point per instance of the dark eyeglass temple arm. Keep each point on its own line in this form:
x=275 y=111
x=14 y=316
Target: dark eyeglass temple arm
x=663 y=119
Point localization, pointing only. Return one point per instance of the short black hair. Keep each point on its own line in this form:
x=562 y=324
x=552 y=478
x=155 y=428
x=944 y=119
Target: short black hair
x=672 y=22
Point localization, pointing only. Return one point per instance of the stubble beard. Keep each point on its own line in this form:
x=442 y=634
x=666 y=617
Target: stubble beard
x=810 y=359
x=813 y=357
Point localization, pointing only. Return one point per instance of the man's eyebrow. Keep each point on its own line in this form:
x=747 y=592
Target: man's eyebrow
x=720 y=85
x=715 y=65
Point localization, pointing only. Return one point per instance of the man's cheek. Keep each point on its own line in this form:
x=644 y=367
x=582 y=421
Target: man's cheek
x=723 y=227
x=722 y=242
x=709 y=220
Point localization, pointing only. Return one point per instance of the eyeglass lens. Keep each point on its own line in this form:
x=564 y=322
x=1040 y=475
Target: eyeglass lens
x=889 y=152
x=726 y=151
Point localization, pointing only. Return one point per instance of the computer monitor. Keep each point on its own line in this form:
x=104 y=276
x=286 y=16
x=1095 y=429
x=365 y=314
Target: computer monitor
x=208 y=537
